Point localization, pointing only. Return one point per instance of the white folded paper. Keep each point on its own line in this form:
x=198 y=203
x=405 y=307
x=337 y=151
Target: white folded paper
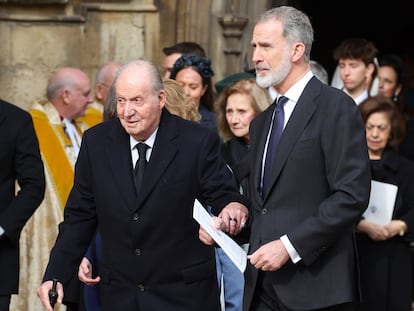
x=231 y=248
x=381 y=203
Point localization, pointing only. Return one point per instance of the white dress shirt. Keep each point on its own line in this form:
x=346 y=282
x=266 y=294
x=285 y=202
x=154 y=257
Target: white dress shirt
x=293 y=94
x=150 y=142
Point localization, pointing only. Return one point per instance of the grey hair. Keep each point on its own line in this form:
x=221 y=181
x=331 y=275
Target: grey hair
x=156 y=79
x=100 y=75
x=106 y=71
x=296 y=25
x=319 y=71
x=57 y=83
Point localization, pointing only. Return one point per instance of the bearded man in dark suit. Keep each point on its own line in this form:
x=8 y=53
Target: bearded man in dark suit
x=302 y=249
x=309 y=184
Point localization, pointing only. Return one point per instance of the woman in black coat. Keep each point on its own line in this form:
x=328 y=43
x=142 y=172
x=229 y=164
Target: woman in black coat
x=384 y=253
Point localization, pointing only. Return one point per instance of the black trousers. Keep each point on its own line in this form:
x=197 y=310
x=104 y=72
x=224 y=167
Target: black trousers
x=5 y=303
x=260 y=304
x=265 y=300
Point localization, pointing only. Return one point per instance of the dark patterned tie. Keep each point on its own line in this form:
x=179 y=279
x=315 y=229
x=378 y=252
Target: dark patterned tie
x=140 y=165
x=276 y=132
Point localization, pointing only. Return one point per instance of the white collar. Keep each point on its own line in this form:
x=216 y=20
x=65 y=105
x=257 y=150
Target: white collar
x=73 y=134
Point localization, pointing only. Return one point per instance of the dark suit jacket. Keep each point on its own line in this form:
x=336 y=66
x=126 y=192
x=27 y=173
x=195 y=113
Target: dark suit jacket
x=320 y=187
x=236 y=154
x=152 y=258
x=20 y=161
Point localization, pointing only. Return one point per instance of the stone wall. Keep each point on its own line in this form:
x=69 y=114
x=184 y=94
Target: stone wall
x=39 y=36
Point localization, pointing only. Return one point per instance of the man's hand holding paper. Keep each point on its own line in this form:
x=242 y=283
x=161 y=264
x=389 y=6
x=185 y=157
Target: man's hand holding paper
x=212 y=231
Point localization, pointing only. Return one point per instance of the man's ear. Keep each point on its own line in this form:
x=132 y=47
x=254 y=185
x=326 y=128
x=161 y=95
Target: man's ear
x=162 y=97
x=65 y=95
x=298 y=49
x=98 y=91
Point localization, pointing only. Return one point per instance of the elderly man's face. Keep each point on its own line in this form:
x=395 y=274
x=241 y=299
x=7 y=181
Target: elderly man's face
x=78 y=97
x=138 y=107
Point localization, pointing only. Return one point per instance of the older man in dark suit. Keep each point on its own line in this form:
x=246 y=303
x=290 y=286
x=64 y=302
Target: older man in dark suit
x=152 y=258
x=20 y=162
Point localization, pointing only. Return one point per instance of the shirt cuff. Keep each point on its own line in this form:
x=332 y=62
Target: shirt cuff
x=293 y=254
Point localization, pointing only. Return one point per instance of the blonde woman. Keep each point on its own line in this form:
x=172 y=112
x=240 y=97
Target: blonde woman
x=178 y=103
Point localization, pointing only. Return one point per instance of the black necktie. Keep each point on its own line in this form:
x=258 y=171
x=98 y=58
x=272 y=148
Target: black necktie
x=140 y=165
x=276 y=132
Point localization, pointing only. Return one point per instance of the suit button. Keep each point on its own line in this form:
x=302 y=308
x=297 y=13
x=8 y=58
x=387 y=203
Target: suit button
x=264 y=211
x=135 y=217
x=141 y=288
x=137 y=252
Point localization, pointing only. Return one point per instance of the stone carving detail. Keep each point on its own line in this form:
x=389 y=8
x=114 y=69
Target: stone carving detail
x=232 y=30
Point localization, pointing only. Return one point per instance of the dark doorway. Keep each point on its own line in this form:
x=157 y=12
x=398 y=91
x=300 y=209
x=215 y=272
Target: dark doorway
x=389 y=24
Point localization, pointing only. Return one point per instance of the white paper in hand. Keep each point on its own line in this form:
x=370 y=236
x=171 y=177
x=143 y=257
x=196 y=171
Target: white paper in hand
x=231 y=248
x=381 y=203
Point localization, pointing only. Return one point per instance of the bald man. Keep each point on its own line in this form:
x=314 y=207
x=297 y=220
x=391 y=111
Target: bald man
x=103 y=81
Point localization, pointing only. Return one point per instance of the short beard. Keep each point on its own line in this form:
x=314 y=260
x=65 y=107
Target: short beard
x=275 y=75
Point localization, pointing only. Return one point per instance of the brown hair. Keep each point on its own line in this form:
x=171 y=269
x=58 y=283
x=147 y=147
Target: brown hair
x=356 y=48
x=384 y=104
x=185 y=47
x=259 y=99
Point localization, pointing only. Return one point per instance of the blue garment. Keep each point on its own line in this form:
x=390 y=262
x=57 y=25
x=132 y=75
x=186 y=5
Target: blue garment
x=208 y=118
x=92 y=294
x=231 y=281
x=236 y=154
x=230 y=278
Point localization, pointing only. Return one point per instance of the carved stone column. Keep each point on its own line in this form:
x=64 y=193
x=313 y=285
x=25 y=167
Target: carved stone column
x=232 y=31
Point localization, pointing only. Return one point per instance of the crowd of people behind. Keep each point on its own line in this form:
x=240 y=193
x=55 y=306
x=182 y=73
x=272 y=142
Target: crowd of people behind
x=327 y=152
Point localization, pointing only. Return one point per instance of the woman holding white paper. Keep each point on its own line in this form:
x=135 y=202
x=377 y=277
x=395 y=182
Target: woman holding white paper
x=384 y=253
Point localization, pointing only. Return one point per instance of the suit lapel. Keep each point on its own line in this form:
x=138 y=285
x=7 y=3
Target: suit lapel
x=262 y=129
x=164 y=150
x=299 y=119
x=120 y=162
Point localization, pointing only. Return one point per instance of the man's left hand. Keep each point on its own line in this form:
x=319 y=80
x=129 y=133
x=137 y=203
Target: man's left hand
x=234 y=216
x=269 y=257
